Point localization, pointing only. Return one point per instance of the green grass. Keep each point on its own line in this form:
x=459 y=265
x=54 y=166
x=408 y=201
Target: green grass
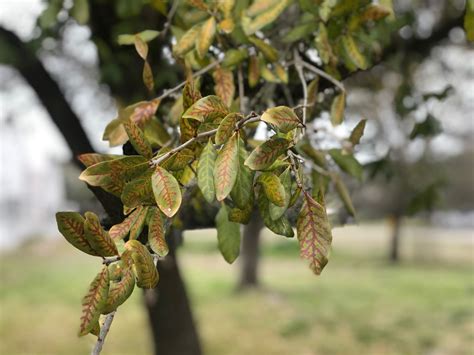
x=360 y=305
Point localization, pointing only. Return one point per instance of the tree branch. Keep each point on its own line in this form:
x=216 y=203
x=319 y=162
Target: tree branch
x=104 y=330
x=24 y=59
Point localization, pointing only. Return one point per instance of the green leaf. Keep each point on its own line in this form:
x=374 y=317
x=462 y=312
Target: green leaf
x=234 y=56
x=228 y=236
x=71 y=226
x=226 y=168
x=205 y=171
x=143 y=265
x=227 y=127
x=357 y=132
x=119 y=291
x=347 y=163
x=314 y=233
x=430 y=127
x=80 y=11
x=337 y=109
x=206 y=36
x=469 y=20
x=269 y=52
x=145 y=36
x=242 y=192
x=277 y=212
x=282 y=117
x=343 y=194
x=97 y=237
x=265 y=154
x=94 y=301
x=224 y=85
x=279 y=226
x=273 y=188
x=166 y=190
x=242 y=216
x=316 y=156
x=156 y=232
x=208 y=108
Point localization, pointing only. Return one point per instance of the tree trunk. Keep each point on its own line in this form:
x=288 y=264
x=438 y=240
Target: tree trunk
x=395 y=223
x=249 y=256
x=169 y=311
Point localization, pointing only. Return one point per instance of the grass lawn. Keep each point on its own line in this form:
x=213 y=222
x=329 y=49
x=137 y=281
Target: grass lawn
x=360 y=305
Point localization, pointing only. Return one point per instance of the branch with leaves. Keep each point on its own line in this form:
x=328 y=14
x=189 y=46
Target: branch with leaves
x=200 y=132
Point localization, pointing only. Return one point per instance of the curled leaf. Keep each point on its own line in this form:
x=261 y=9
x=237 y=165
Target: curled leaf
x=97 y=237
x=71 y=226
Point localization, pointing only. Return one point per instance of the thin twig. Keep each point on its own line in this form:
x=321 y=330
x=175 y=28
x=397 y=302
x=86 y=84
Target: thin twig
x=248 y=119
x=103 y=333
x=200 y=72
x=169 y=18
x=240 y=78
x=299 y=69
x=325 y=75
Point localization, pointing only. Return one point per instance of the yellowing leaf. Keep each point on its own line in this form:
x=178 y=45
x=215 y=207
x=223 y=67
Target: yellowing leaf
x=265 y=154
x=242 y=216
x=226 y=168
x=227 y=25
x=146 y=36
x=228 y=236
x=281 y=72
x=97 y=237
x=259 y=6
x=254 y=71
x=273 y=188
x=141 y=47
x=357 y=132
x=120 y=231
x=227 y=127
x=94 y=301
x=137 y=192
x=469 y=20
x=224 y=85
x=71 y=226
x=276 y=211
x=166 y=190
x=337 y=109
x=314 y=233
x=156 y=232
x=138 y=224
x=234 y=56
x=208 y=108
x=187 y=41
x=206 y=36
x=137 y=139
x=264 y=18
x=226 y=6
x=119 y=291
x=90 y=159
x=282 y=117
x=205 y=171
x=353 y=53
x=143 y=265
x=147 y=76
x=111 y=175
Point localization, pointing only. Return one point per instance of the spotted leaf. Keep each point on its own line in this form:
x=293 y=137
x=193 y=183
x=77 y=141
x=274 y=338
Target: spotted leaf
x=166 y=190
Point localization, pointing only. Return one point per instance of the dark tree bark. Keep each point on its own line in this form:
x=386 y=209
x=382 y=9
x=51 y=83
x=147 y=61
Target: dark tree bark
x=250 y=253
x=395 y=224
x=21 y=57
x=169 y=311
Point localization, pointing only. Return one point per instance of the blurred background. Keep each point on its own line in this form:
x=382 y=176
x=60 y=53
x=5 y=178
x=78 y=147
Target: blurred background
x=400 y=279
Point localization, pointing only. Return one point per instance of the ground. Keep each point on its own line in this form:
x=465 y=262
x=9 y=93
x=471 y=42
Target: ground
x=360 y=305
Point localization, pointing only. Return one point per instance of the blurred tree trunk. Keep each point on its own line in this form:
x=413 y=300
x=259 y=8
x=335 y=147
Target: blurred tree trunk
x=250 y=253
x=395 y=225
x=169 y=311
